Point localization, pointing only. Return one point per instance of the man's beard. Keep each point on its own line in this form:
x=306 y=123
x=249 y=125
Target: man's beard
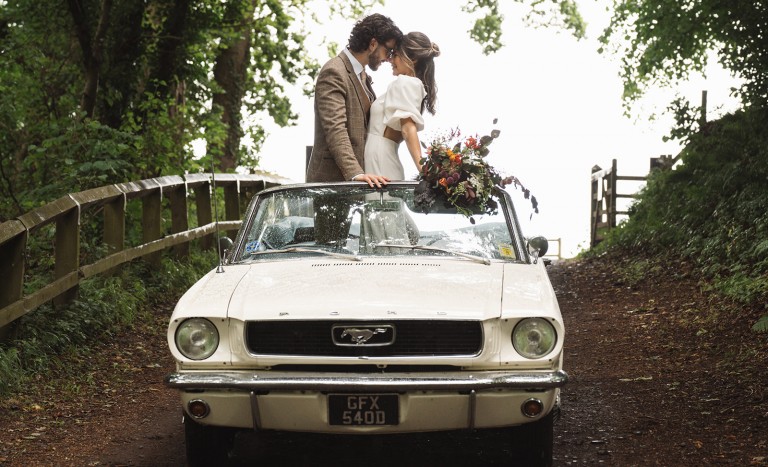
x=373 y=60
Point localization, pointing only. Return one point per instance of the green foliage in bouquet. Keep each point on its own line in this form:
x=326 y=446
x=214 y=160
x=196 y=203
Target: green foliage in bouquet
x=455 y=170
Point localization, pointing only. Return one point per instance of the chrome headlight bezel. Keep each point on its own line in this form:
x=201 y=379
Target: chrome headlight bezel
x=534 y=338
x=197 y=338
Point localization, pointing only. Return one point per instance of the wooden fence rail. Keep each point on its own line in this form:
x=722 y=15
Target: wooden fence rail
x=66 y=214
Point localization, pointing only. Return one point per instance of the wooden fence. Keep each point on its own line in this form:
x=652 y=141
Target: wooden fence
x=164 y=225
x=603 y=210
x=605 y=193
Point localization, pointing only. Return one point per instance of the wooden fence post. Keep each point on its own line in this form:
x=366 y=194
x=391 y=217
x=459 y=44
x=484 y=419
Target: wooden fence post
x=610 y=195
x=231 y=205
x=11 y=268
x=151 y=225
x=595 y=213
x=248 y=193
x=204 y=212
x=177 y=198
x=114 y=224
x=67 y=251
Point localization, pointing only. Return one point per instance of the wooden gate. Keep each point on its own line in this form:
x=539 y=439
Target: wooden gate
x=603 y=203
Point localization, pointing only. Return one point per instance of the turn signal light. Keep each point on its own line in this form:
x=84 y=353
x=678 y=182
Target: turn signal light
x=532 y=408
x=198 y=408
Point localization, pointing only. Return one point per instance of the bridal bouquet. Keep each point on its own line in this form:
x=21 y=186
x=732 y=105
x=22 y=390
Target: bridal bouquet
x=455 y=170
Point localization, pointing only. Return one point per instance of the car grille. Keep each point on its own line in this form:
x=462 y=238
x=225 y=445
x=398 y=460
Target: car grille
x=412 y=338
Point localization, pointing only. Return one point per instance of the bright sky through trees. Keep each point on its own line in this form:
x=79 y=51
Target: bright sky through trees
x=557 y=100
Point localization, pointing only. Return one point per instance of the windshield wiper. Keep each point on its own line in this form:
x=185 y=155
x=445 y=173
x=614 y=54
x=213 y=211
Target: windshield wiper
x=295 y=249
x=478 y=259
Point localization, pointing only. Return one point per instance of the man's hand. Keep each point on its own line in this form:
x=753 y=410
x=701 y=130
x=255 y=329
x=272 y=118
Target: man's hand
x=372 y=179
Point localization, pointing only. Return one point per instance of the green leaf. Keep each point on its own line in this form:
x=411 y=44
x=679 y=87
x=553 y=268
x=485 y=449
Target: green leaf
x=761 y=325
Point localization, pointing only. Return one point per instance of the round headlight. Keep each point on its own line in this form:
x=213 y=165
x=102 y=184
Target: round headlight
x=534 y=337
x=197 y=338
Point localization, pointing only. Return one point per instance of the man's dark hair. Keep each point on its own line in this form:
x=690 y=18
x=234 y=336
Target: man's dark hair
x=375 y=26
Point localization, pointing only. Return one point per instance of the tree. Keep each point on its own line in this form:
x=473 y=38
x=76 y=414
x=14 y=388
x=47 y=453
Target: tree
x=486 y=29
x=102 y=91
x=663 y=41
x=261 y=51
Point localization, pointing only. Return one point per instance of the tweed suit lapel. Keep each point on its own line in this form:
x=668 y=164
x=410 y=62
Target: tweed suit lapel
x=365 y=103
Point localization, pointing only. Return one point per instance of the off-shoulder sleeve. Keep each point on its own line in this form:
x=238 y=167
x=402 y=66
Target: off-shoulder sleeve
x=403 y=100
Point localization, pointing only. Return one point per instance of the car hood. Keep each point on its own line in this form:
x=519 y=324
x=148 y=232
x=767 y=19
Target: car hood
x=373 y=289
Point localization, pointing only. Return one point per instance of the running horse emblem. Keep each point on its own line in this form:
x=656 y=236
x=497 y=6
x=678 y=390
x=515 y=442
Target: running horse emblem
x=362 y=335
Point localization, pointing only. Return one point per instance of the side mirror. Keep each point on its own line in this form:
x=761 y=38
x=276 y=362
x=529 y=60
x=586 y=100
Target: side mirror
x=537 y=247
x=225 y=246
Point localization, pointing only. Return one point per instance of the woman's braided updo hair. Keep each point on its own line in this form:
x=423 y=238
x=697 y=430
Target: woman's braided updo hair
x=419 y=50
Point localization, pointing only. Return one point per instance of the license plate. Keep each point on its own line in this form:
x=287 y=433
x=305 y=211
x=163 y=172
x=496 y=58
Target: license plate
x=363 y=409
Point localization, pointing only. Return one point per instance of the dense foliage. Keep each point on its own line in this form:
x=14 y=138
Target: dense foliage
x=94 y=92
x=711 y=210
x=661 y=42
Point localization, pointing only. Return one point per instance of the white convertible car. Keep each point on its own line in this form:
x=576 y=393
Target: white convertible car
x=350 y=310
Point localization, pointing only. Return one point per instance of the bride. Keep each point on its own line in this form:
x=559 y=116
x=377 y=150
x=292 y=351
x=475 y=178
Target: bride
x=397 y=115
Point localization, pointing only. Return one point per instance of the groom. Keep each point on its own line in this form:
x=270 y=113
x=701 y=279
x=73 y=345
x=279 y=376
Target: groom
x=343 y=97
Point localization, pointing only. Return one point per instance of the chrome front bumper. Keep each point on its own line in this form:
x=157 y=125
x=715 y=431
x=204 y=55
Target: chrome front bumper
x=366 y=382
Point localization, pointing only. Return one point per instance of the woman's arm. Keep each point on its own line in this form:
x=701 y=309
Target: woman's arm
x=411 y=136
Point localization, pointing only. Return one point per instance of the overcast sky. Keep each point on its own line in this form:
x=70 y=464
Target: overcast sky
x=558 y=104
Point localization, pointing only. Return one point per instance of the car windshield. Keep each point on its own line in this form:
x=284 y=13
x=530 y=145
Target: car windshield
x=354 y=221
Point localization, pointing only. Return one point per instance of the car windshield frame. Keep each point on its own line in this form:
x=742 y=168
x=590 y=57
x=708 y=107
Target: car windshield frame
x=365 y=212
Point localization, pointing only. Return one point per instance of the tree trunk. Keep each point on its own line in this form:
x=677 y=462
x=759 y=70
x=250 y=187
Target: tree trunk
x=92 y=49
x=126 y=74
x=230 y=73
x=170 y=47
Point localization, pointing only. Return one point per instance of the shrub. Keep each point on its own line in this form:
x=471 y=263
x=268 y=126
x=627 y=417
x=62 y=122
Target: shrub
x=711 y=210
x=104 y=306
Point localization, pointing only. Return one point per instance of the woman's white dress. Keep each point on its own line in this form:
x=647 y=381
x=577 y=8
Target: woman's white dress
x=402 y=99
x=387 y=220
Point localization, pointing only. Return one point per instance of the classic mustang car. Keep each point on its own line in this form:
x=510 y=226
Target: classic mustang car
x=345 y=309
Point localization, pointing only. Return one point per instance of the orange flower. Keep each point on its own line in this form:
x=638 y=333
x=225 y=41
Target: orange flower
x=443 y=182
x=455 y=158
